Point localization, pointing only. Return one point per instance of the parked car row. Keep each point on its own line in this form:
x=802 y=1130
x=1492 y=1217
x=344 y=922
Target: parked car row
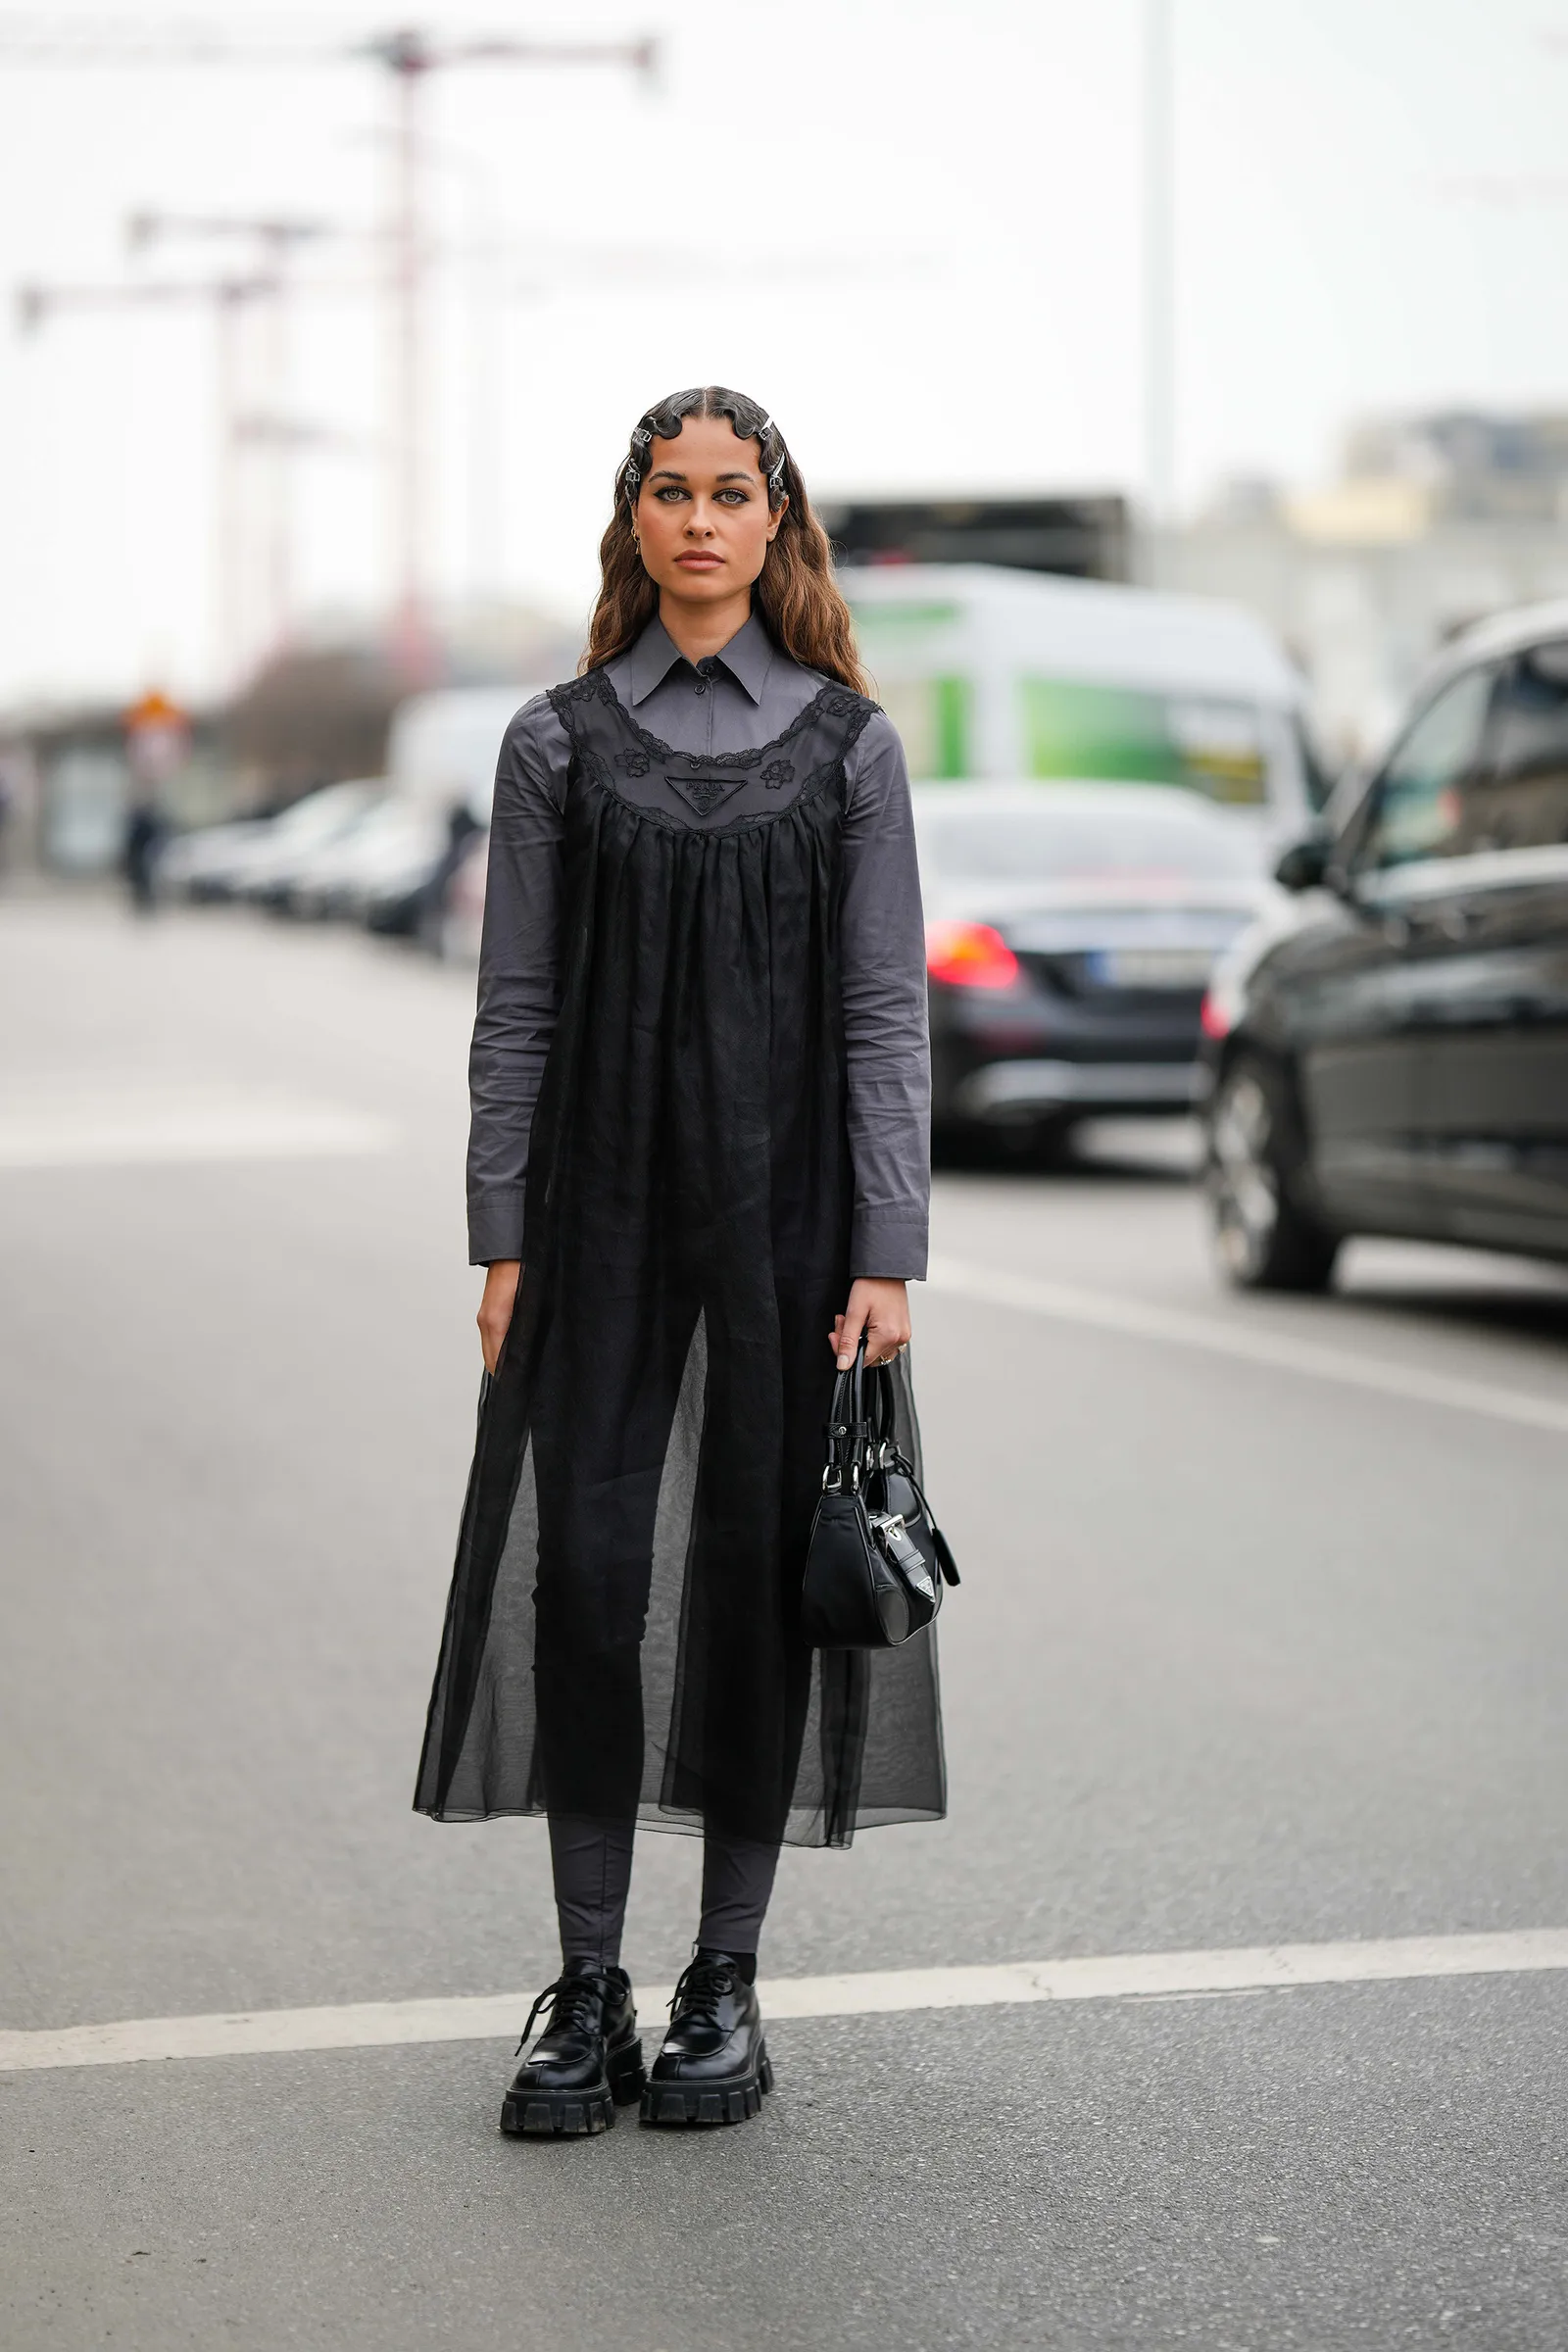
x=354 y=852
x=379 y=851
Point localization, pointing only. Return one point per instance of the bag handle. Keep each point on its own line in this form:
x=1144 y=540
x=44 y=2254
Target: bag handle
x=849 y=1437
x=854 y=1442
x=862 y=1416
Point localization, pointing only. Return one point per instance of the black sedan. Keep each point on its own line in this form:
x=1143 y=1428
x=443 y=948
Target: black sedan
x=1070 y=932
x=1390 y=1051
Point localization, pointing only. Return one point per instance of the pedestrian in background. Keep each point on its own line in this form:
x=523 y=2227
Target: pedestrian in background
x=699 y=1171
x=144 y=839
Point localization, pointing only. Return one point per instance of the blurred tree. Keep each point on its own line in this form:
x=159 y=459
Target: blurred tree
x=310 y=716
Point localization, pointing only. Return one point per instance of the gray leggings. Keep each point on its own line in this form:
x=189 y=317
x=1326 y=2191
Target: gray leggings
x=592 y=1865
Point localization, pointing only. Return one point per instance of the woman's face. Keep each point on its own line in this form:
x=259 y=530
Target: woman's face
x=702 y=519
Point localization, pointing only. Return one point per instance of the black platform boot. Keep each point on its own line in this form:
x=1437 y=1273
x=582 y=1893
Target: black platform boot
x=713 y=2067
x=586 y=2063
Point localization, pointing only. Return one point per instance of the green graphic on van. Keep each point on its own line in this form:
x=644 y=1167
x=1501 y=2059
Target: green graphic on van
x=934 y=718
x=1133 y=735
x=896 y=615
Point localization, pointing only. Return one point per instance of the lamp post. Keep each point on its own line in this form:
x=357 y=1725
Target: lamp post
x=1158 y=268
x=411 y=58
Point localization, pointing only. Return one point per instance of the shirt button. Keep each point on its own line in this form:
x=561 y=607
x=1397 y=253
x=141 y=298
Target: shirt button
x=701 y=686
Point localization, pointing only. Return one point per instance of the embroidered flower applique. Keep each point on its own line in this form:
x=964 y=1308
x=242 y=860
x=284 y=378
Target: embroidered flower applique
x=778 y=773
x=635 y=763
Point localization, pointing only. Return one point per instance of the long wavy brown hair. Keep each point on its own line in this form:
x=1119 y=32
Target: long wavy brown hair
x=796 y=595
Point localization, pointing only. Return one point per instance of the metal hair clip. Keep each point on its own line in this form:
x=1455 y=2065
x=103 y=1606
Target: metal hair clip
x=641 y=439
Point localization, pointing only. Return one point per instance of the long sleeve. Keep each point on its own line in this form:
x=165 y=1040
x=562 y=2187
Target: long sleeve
x=886 y=1037
x=519 y=977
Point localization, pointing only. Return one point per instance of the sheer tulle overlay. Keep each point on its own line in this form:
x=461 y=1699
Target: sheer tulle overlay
x=621 y=1635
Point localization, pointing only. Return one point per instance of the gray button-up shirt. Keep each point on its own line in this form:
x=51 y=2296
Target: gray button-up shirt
x=740 y=698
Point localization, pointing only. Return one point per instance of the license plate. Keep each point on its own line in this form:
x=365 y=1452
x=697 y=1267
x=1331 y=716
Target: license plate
x=1151 y=967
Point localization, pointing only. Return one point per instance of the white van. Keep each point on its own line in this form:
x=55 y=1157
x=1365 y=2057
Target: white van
x=1009 y=674
x=443 y=746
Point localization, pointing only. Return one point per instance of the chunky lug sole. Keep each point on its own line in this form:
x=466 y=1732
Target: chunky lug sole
x=576 y=2113
x=709 y=2102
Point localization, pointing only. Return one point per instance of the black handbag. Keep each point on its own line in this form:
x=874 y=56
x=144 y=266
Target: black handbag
x=878 y=1561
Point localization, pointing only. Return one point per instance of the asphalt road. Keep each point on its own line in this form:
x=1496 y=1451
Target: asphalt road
x=1249 y=1650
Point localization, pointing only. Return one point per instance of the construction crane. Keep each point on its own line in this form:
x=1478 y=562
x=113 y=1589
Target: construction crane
x=269 y=427
x=411 y=57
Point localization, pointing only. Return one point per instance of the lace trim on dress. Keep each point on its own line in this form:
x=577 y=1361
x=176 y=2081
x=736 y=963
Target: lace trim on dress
x=703 y=793
x=833 y=702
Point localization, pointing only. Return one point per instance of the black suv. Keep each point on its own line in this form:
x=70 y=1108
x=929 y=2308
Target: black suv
x=1389 y=1053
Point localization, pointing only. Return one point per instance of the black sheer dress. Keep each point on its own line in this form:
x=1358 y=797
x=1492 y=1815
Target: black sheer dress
x=621 y=1634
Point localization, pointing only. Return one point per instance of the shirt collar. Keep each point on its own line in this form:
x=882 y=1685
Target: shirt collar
x=748 y=658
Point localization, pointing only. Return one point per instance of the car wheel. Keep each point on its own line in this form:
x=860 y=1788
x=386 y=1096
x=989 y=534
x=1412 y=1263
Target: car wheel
x=1263 y=1237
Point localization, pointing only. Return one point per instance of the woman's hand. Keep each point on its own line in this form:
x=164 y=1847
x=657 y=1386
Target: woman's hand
x=881 y=1310
x=495 y=1307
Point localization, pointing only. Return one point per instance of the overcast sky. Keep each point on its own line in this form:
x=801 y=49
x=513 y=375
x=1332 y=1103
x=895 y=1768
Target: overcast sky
x=911 y=227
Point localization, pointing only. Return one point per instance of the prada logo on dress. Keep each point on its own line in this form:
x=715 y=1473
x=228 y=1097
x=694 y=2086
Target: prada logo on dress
x=703 y=793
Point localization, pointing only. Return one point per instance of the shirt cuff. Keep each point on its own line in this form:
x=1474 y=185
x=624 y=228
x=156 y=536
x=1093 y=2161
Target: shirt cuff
x=887 y=1245
x=495 y=1223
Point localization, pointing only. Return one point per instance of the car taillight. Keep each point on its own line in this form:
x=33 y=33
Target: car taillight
x=1213 y=1019
x=970 y=955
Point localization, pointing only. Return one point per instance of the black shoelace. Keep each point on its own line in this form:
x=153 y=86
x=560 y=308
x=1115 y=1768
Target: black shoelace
x=577 y=2003
x=703 y=1985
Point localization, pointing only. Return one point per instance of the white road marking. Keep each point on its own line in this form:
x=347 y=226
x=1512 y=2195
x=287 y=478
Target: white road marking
x=1120 y=1976
x=1105 y=1310
x=181 y=1129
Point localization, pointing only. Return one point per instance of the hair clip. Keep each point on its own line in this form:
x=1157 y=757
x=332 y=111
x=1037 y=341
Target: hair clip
x=775 y=473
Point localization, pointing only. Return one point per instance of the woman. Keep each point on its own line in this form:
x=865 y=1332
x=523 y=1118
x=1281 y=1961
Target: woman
x=700 y=1082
